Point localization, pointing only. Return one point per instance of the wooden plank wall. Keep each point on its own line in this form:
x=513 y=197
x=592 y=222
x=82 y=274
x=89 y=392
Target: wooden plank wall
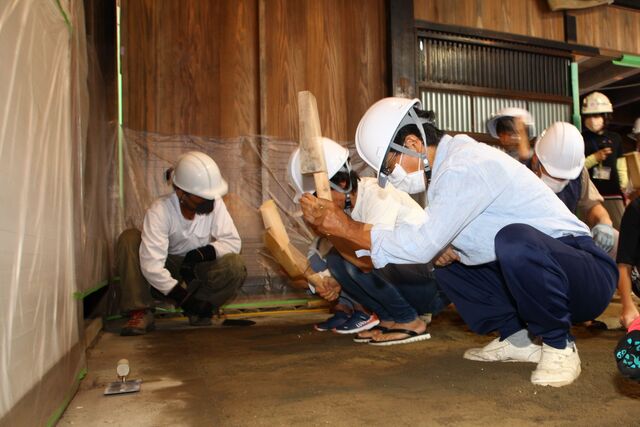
x=531 y=18
x=609 y=27
x=190 y=67
x=334 y=48
x=231 y=68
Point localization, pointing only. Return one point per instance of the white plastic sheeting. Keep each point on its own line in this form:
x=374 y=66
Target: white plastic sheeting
x=255 y=168
x=41 y=70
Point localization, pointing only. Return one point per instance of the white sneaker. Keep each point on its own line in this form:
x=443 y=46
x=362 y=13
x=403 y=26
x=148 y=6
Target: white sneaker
x=557 y=367
x=504 y=351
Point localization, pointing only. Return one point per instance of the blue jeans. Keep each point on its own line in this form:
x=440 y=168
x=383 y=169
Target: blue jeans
x=396 y=293
x=537 y=283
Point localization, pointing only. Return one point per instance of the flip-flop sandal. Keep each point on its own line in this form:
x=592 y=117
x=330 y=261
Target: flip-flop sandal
x=412 y=336
x=365 y=340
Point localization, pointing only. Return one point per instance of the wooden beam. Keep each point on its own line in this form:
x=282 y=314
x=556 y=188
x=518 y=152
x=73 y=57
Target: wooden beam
x=403 y=48
x=624 y=97
x=604 y=75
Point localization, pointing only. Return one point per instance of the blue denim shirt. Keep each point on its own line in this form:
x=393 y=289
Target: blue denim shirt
x=475 y=191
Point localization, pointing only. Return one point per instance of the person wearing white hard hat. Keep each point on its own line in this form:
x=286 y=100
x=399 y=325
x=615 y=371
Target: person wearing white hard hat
x=188 y=249
x=603 y=150
x=397 y=294
x=559 y=161
x=512 y=257
x=514 y=128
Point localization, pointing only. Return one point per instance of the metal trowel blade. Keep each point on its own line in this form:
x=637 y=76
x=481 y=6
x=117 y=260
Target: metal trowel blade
x=122 y=387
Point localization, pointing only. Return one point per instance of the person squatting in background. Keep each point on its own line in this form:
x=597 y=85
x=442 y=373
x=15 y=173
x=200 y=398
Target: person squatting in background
x=188 y=249
x=514 y=128
x=397 y=294
x=558 y=160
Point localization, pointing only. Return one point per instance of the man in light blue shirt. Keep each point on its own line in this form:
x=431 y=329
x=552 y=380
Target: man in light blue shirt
x=512 y=258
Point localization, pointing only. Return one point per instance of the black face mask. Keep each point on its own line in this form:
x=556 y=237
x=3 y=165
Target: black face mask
x=205 y=207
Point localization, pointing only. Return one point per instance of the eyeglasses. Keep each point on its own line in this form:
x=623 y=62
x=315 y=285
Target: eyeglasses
x=390 y=163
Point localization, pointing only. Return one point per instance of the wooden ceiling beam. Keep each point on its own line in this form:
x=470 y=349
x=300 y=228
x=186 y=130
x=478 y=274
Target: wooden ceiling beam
x=604 y=75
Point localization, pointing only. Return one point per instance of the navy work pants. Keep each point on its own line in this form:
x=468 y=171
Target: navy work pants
x=537 y=283
x=397 y=293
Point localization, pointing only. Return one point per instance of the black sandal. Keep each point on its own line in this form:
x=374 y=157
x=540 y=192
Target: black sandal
x=365 y=340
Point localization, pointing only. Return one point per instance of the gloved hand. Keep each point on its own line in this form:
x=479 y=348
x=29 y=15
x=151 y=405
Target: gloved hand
x=189 y=303
x=603 y=236
x=204 y=253
x=193 y=257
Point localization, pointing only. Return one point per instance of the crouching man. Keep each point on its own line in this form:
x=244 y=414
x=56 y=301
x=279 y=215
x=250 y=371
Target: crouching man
x=188 y=249
x=527 y=266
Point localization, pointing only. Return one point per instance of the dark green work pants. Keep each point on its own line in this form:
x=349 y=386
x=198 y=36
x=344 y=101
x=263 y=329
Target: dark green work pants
x=216 y=281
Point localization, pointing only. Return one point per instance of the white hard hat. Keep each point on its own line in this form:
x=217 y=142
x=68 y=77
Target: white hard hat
x=596 y=103
x=379 y=125
x=197 y=174
x=560 y=150
x=511 y=112
x=636 y=129
x=335 y=157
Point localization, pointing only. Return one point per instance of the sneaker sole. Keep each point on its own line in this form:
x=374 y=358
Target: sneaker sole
x=360 y=329
x=419 y=338
x=499 y=360
x=361 y=340
x=556 y=383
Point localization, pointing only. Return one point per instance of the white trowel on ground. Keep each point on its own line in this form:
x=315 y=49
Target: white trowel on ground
x=123 y=385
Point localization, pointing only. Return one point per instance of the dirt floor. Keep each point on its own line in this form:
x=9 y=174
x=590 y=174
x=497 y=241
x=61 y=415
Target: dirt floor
x=280 y=372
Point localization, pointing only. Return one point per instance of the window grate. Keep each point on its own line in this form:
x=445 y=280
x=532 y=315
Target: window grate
x=446 y=61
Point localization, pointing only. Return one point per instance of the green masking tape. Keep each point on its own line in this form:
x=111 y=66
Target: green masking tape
x=83 y=294
x=57 y=414
x=65 y=16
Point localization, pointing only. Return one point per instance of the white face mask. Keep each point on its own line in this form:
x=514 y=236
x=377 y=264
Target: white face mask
x=412 y=183
x=594 y=124
x=556 y=185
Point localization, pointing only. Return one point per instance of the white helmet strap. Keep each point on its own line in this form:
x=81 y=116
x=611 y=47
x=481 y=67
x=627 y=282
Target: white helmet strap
x=411 y=118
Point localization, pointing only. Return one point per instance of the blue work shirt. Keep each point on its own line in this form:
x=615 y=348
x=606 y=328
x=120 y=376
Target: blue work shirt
x=475 y=191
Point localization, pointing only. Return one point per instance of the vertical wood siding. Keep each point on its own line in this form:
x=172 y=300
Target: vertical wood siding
x=193 y=67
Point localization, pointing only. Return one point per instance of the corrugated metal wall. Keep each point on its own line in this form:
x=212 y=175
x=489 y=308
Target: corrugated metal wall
x=474 y=64
x=484 y=107
x=467 y=80
x=453 y=110
x=546 y=113
x=467 y=113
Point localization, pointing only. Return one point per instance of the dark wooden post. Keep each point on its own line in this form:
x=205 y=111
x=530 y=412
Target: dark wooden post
x=403 y=48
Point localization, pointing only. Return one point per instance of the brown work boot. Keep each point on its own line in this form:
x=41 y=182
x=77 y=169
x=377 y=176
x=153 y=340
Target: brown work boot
x=140 y=322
